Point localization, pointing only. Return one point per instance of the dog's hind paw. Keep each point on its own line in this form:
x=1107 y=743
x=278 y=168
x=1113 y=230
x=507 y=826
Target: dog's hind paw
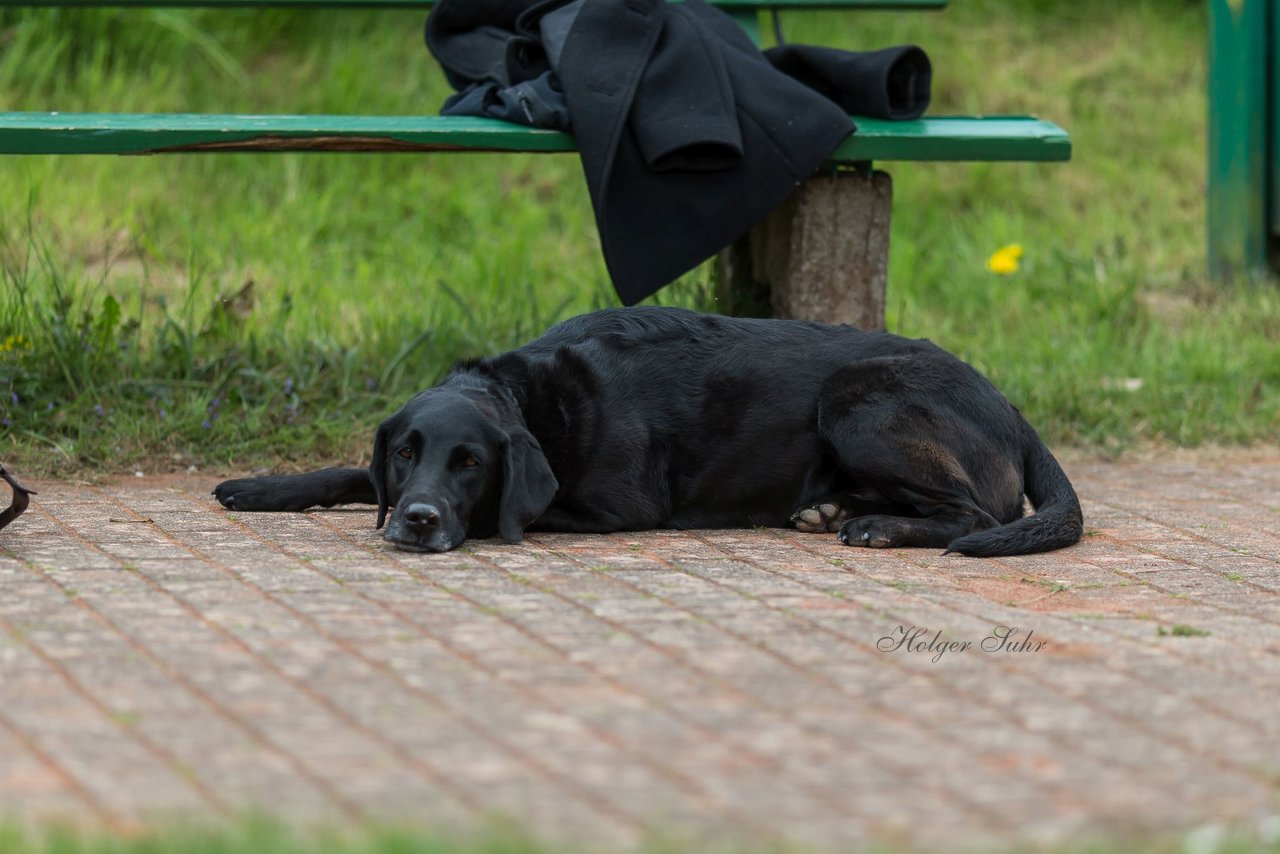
x=823 y=517
x=874 y=532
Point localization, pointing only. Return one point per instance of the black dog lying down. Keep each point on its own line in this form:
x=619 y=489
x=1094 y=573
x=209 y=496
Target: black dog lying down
x=627 y=419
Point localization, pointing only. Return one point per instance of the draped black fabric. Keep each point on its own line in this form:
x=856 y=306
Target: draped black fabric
x=688 y=134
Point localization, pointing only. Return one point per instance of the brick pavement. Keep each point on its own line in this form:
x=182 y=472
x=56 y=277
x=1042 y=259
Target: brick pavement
x=162 y=658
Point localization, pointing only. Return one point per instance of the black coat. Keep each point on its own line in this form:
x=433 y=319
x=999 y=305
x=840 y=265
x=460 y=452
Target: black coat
x=688 y=134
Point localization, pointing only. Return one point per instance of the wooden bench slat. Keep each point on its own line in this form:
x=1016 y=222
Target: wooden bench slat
x=1023 y=138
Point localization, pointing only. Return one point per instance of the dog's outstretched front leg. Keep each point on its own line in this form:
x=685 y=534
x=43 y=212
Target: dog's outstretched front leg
x=294 y=492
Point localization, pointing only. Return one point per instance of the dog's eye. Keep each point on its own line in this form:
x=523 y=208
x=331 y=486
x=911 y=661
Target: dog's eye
x=470 y=462
x=405 y=453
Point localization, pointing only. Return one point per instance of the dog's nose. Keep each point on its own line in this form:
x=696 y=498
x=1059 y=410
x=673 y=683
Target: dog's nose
x=420 y=515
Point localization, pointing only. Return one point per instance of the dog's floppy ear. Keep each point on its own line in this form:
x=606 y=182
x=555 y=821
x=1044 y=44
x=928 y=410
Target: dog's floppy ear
x=378 y=471
x=528 y=484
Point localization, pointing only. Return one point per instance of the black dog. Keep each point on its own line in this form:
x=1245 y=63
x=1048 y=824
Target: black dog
x=628 y=419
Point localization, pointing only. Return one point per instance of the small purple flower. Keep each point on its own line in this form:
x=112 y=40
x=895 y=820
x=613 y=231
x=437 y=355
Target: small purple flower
x=206 y=425
x=49 y=408
x=288 y=385
x=98 y=410
x=370 y=384
x=13 y=398
x=163 y=412
x=5 y=422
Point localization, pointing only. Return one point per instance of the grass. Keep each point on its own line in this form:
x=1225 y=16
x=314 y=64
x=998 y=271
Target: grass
x=266 y=837
x=266 y=310
x=1181 y=630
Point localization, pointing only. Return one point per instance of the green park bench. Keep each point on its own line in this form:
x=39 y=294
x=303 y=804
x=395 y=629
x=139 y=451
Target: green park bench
x=822 y=255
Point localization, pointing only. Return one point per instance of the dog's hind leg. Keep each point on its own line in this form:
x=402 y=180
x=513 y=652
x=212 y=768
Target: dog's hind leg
x=897 y=444
x=909 y=514
x=930 y=508
x=937 y=531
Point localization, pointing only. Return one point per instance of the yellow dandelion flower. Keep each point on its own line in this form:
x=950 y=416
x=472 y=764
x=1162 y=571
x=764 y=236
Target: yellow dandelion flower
x=16 y=344
x=1004 y=261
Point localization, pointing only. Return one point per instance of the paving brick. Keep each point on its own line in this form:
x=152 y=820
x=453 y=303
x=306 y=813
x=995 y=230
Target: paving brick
x=160 y=657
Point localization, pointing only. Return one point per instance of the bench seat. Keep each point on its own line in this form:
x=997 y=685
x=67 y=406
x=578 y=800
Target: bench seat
x=1005 y=138
x=823 y=254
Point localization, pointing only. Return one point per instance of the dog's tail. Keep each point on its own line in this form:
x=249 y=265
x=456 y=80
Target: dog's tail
x=1056 y=524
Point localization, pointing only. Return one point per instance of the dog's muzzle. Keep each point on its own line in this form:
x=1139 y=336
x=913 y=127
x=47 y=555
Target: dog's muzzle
x=423 y=527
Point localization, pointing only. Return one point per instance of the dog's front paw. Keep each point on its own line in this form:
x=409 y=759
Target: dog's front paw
x=252 y=494
x=874 y=532
x=823 y=517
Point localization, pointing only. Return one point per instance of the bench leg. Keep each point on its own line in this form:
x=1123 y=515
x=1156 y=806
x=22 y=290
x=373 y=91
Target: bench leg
x=823 y=255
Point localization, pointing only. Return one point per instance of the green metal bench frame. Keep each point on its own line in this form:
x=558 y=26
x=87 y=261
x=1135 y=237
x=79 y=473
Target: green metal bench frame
x=1243 y=205
x=822 y=255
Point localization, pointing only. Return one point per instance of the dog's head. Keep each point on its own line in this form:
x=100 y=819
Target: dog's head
x=457 y=463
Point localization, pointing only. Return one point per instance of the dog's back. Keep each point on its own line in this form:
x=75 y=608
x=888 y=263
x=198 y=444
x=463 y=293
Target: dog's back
x=698 y=420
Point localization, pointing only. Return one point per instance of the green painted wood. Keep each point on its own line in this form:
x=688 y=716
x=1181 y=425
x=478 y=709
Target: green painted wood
x=982 y=138
x=949 y=138
x=421 y=4
x=1238 y=159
